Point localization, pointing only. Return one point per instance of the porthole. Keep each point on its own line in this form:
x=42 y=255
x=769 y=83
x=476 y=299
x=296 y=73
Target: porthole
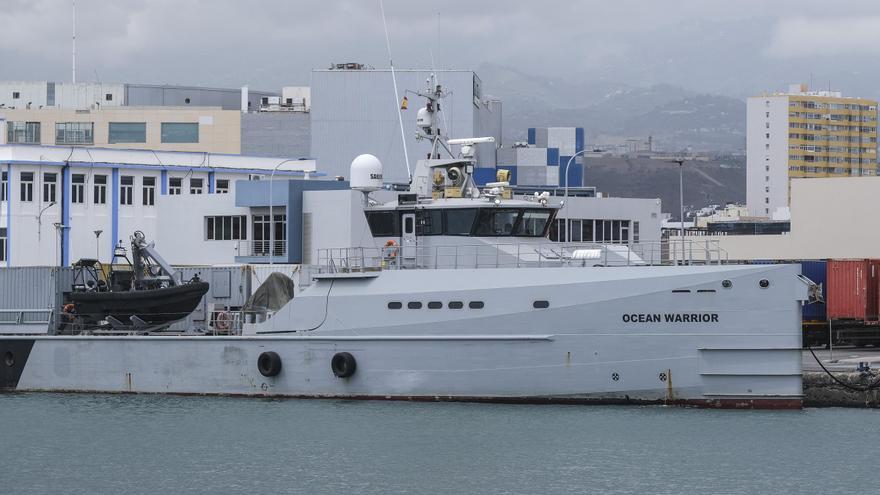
x=435 y=305
x=476 y=304
x=395 y=305
x=9 y=359
x=414 y=305
x=726 y=284
x=456 y=304
x=764 y=283
x=541 y=304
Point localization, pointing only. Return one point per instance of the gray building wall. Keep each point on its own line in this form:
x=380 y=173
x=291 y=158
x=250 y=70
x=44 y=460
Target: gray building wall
x=86 y=95
x=276 y=134
x=150 y=95
x=355 y=112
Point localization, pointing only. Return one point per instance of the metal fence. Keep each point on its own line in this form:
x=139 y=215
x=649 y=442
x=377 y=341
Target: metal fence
x=364 y=259
x=261 y=248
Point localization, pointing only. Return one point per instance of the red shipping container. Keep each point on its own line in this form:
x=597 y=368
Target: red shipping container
x=853 y=291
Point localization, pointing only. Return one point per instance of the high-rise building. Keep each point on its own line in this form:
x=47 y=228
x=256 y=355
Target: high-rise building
x=803 y=133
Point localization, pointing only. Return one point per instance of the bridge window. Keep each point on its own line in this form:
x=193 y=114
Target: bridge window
x=395 y=305
x=460 y=221
x=384 y=223
x=533 y=223
x=456 y=304
x=496 y=222
x=476 y=305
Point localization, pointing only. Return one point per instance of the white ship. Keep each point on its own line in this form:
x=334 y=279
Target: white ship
x=464 y=298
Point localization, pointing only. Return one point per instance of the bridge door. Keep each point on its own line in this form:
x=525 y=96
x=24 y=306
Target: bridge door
x=408 y=241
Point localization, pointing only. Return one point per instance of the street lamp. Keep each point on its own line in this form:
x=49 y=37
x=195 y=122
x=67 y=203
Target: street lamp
x=680 y=163
x=565 y=199
x=40 y=220
x=98 y=244
x=271 y=216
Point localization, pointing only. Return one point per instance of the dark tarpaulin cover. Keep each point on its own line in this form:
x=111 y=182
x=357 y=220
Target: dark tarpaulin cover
x=272 y=294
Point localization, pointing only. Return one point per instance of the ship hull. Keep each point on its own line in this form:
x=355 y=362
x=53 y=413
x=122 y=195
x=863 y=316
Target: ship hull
x=615 y=337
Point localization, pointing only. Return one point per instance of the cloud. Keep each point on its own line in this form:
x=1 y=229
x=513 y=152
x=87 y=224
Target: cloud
x=842 y=36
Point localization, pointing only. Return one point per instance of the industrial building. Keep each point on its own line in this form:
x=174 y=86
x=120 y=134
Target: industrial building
x=58 y=204
x=803 y=133
x=355 y=111
x=158 y=117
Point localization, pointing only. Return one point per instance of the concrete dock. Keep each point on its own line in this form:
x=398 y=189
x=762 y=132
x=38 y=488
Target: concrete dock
x=821 y=390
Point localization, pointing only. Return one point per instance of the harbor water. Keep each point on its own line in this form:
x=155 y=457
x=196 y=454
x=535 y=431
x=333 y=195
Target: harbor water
x=60 y=443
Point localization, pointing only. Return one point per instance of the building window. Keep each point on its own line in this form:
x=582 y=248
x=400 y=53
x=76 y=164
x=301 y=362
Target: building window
x=126 y=190
x=108 y=97
x=174 y=185
x=766 y=178
x=767 y=125
x=226 y=228
x=78 y=188
x=149 y=190
x=3 y=244
x=49 y=186
x=100 y=190
x=767 y=201
x=4 y=187
x=195 y=186
x=15 y=95
x=767 y=135
x=176 y=132
x=263 y=235
x=767 y=114
x=27 y=186
x=127 y=132
x=222 y=186
x=75 y=133
x=23 y=132
x=635 y=232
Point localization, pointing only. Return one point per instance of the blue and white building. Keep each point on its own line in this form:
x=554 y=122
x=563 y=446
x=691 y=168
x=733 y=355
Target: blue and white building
x=59 y=204
x=543 y=160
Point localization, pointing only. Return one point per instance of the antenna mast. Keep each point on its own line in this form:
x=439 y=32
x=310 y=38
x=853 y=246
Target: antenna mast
x=396 y=95
x=73 y=50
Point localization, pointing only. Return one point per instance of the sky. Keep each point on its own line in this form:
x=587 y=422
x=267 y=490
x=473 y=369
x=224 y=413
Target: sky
x=736 y=48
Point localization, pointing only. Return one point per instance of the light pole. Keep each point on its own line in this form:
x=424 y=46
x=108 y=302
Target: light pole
x=98 y=244
x=565 y=199
x=40 y=220
x=271 y=216
x=680 y=163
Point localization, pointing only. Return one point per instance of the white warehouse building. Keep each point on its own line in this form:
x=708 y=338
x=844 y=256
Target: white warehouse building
x=59 y=204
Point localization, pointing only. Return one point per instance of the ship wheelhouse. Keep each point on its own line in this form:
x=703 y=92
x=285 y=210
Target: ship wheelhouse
x=484 y=220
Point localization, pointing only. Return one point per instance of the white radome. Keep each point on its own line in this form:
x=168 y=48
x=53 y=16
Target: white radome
x=366 y=173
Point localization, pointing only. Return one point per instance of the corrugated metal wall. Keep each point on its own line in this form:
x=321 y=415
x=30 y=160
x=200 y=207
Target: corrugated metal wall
x=32 y=287
x=276 y=134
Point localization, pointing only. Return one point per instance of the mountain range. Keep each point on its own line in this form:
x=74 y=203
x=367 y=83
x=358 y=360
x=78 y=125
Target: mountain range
x=610 y=112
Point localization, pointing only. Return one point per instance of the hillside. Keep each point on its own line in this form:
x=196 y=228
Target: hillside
x=713 y=182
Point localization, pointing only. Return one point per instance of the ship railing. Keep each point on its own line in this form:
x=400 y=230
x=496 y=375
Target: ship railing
x=371 y=259
x=260 y=248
